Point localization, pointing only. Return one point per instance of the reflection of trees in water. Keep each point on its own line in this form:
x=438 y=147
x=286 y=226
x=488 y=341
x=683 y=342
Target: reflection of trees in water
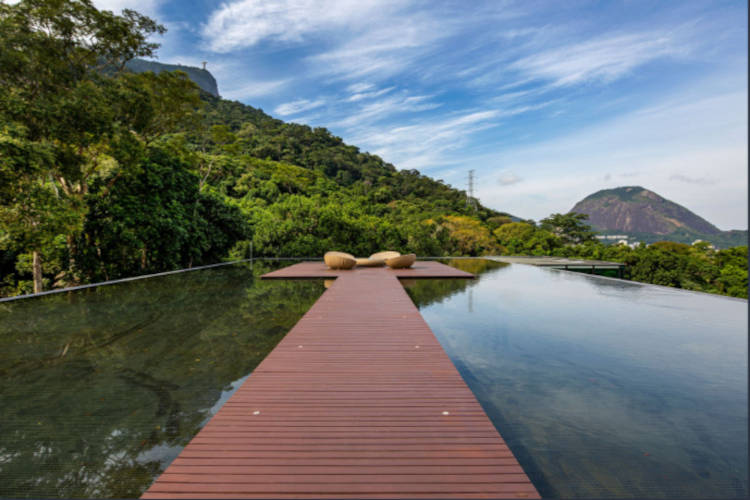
x=429 y=291
x=93 y=381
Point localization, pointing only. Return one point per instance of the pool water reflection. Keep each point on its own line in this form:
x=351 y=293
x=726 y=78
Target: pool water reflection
x=602 y=387
x=101 y=388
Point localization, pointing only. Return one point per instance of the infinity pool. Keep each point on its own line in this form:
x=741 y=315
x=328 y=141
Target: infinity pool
x=602 y=388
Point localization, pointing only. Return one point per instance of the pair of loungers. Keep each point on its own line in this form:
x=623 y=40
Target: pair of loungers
x=394 y=260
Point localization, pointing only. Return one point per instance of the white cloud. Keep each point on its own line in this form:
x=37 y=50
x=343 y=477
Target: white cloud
x=603 y=59
x=298 y=106
x=360 y=87
x=369 y=113
x=692 y=180
x=368 y=95
x=427 y=142
x=382 y=49
x=244 y=23
x=374 y=38
x=423 y=145
x=508 y=178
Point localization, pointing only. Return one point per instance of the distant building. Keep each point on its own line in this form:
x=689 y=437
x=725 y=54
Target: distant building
x=612 y=236
x=704 y=241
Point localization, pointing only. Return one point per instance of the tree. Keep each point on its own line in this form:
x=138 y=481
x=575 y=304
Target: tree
x=31 y=213
x=497 y=221
x=468 y=236
x=155 y=219
x=524 y=239
x=62 y=82
x=570 y=227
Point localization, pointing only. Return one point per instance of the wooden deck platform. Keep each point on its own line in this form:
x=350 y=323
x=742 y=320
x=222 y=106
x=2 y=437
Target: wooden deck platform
x=359 y=400
x=318 y=270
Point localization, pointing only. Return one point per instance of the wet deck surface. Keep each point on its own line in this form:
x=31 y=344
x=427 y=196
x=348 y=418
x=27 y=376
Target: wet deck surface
x=359 y=400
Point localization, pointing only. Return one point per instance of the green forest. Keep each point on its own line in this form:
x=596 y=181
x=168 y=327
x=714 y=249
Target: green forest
x=106 y=173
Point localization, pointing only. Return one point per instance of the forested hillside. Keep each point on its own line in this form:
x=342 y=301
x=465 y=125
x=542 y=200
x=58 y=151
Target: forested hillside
x=106 y=173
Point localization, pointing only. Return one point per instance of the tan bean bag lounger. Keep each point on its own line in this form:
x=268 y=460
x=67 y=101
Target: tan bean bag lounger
x=401 y=262
x=339 y=260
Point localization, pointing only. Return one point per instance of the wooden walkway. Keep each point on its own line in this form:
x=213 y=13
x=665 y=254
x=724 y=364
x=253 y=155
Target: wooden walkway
x=359 y=400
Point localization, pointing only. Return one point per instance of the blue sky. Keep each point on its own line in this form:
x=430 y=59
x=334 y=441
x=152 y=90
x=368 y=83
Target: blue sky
x=547 y=101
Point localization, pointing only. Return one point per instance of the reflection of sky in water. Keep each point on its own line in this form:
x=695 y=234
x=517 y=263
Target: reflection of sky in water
x=602 y=387
x=166 y=454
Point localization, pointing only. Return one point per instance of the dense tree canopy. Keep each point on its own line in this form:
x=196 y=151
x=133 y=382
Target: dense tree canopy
x=571 y=227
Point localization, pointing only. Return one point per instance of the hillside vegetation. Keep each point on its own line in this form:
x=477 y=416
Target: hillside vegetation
x=106 y=173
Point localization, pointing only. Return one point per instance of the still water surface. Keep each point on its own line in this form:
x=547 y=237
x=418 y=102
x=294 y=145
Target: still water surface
x=602 y=387
x=101 y=388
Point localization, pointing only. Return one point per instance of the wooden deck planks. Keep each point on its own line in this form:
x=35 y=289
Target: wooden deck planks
x=420 y=270
x=359 y=400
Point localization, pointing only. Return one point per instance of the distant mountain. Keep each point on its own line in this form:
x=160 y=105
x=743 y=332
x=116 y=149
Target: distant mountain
x=203 y=78
x=645 y=216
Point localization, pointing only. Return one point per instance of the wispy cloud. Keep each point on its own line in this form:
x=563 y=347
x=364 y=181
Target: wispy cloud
x=421 y=146
x=360 y=87
x=368 y=95
x=508 y=178
x=602 y=59
x=693 y=180
x=367 y=114
x=382 y=49
x=244 y=23
x=298 y=106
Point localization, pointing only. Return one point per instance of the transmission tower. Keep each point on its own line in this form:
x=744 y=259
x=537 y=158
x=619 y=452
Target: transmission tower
x=470 y=200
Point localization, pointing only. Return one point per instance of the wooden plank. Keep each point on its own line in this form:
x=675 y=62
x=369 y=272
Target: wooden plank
x=359 y=400
x=374 y=496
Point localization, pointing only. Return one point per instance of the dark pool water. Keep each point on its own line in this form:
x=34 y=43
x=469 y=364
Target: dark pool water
x=601 y=387
x=101 y=388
